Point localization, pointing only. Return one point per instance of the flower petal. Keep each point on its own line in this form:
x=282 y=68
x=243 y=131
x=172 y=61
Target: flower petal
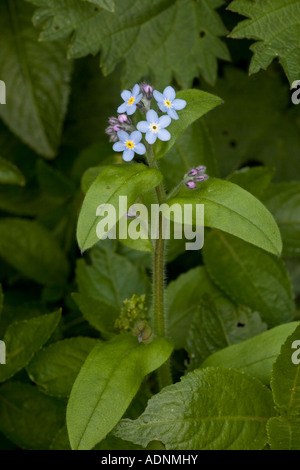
x=138 y=98
x=158 y=96
x=126 y=95
x=128 y=155
x=136 y=136
x=119 y=147
x=150 y=137
x=123 y=108
x=143 y=126
x=172 y=113
x=179 y=104
x=140 y=149
x=131 y=109
x=164 y=135
x=169 y=93
x=163 y=107
x=152 y=116
x=135 y=90
x=164 y=121
x=123 y=136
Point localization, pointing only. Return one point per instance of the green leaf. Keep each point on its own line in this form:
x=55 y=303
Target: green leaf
x=129 y=180
x=256 y=355
x=10 y=174
x=105 y=4
x=37 y=78
x=29 y=418
x=198 y=104
x=106 y=384
x=250 y=277
x=255 y=180
x=212 y=409
x=31 y=249
x=215 y=327
x=184 y=36
x=24 y=339
x=56 y=367
x=233 y=210
x=283 y=433
x=276 y=27
x=283 y=201
x=105 y=283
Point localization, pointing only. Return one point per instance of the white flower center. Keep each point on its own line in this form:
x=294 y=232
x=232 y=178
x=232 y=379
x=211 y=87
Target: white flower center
x=154 y=127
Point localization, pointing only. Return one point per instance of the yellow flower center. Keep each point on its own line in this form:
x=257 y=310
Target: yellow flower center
x=129 y=144
x=168 y=103
x=131 y=101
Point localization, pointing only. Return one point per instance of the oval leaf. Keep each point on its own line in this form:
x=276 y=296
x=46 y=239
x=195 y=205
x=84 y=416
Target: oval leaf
x=10 y=174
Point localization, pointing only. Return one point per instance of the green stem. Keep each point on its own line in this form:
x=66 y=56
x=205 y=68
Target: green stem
x=164 y=372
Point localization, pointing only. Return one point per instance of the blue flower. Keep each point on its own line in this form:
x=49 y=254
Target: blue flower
x=167 y=102
x=129 y=145
x=154 y=127
x=131 y=99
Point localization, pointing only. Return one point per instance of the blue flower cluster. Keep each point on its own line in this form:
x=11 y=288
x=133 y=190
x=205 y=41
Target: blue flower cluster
x=127 y=138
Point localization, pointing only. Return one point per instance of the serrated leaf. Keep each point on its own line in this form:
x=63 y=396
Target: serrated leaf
x=105 y=283
x=233 y=210
x=198 y=103
x=250 y=277
x=275 y=24
x=114 y=181
x=10 y=174
x=183 y=37
x=31 y=249
x=29 y=418
x=255 y=180
x=256 y=355
x=283 y=433
x=56 y=367
x=37 y=78
x=24 y=339
x=212 y=409
x=283 y=201
x=106 y=384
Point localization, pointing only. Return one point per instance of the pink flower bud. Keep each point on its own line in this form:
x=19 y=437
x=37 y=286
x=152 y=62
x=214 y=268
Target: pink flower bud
x=190 y=184
x=116 y=128
x=122 y=118
x=113 y=121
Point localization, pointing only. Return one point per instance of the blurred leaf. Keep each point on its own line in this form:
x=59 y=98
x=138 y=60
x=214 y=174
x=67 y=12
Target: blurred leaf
x=24 y=339
x=106 y=4
x=256 y=355
x=129 y=180
x=255 y=180
x=106 y=384
x=32 y=250
x=56 y=367
x=212 y=409
x=250 y=277
x=184 y=36
x=105 y=283
x=29 y=418
x=284 y=434
x=276 y=27
x=37 y=78
x=10 y=174
x=233 y=210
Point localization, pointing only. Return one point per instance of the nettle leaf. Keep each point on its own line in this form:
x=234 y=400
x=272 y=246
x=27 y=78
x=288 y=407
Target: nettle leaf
x=283 y=433
x=256 y=355
x=105 y=283
x=198 y=103
x=182 y=37
x=209 y=409
x=193 y=148
x=56 y=367
x=23 y=339
x=250 y=277
x=37 y=78
x=129 y=180
x=31 y=249
x=215 y=326
x=29 y=418
x=10 y=174
x=106 y=384
x=255 y=180
x=232 y=209
x=283 y=201
x=276 y=27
